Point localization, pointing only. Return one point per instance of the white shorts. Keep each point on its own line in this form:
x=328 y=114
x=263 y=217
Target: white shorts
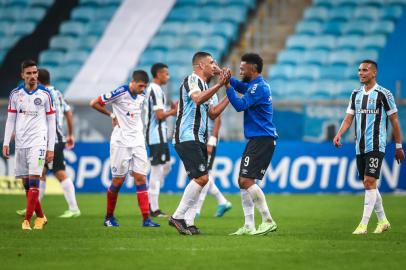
x=125 y=159
x=29 y=161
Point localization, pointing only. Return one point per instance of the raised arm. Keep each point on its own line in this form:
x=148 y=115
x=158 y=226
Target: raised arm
x=239 y=86
x=216 y=110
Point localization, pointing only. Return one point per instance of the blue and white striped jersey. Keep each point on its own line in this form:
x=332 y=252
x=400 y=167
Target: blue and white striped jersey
x=191 y=120
x=61 y=107
x=210 y=125
x=156 y=129
x=371 y=110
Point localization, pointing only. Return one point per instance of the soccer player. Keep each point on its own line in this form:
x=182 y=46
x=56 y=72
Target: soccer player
x=190 y=135
x=156 y=134
x=371 y=105
x=31 y=115
x=127 y=144
x=260 y=131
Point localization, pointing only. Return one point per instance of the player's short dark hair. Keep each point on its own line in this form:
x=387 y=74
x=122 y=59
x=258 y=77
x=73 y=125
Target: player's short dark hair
x=28 y=63
x=156 y=68
x=140 y=76
x=199 y=55
x=43 y=76
x=255 y=59
x=372 y=62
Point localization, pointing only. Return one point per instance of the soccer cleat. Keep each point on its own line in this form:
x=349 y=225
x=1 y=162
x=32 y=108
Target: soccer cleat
x=158 y=213
x=21 y=212
x=39 y=223
x=222 y=209
x=361 y=229
x=244 y=231
x=382 y=226
x=70 y=214
x=180 y=225
x=194 y=230
x=265 y=228
x=111 y=222
x=26 y=225
x=149 y=223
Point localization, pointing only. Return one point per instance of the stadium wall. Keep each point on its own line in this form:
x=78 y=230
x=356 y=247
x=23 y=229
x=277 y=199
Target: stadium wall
x=297 y=167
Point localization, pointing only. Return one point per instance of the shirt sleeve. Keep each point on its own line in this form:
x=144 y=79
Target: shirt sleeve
x=12 y=108
x=65 y=105
x=351 y=105
x=111 y=96
x=389 y=103
x=249 y=99
x=192 y=85
x=156 y=98
x=239 y=86
x=49 y=104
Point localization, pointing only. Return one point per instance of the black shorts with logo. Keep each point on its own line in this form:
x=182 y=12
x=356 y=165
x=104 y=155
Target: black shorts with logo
x=58 y=164
x=194 y=157
x=211 y=159
x=370 y=164
x=256 y=157
x=159 y=153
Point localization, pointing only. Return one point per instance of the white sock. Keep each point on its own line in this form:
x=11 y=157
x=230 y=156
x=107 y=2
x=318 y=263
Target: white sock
x=202 y=198
x=69 y=193
x=214 y=190
x=380 y=212
x=154 y=187
x=42 y=187
x=369 y=204
x=248 y=208
x=189 y=198
x=258 y=197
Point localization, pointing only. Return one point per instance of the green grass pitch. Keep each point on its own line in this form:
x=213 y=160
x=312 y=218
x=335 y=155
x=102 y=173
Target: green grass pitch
x=314 y=233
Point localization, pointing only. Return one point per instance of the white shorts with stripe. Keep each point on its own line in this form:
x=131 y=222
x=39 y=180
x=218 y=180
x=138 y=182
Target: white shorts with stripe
x=30 y=161
x=128 y=159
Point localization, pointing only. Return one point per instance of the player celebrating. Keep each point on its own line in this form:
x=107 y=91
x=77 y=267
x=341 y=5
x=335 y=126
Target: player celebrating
x=32 y=115
x=58 y=164
x=127 y=144
x=191 y=132
x=260 y=131
x=156 y=134
x=370 y=105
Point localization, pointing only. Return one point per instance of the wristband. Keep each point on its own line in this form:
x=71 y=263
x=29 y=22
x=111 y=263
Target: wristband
x=398 y=146
x=212 y=141
x=112 y=115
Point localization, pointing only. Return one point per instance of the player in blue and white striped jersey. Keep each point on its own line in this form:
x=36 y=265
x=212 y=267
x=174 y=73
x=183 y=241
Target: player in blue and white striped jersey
x=195 y=106
x=156 y=134
x=371 y=105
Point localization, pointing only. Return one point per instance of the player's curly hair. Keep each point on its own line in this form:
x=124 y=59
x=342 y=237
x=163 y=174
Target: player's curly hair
x=254 y=59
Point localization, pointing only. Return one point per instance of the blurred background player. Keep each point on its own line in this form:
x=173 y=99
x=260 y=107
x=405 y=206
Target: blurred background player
x=256 y=103
x=127 y=144
x=191 y=132
x=32 y=115
x=63 y=110
x=371 y=105
x=156 y=134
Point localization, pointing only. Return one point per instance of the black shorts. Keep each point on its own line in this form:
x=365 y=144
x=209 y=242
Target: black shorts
x=58 y=164
x=159 y=153
x=256 y=157
x=370 y=164
x=194 y=157
x=211 y=159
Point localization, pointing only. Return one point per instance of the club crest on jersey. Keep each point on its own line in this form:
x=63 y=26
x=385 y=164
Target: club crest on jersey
x=108 y=95
x=254 y=88
x=37 y=101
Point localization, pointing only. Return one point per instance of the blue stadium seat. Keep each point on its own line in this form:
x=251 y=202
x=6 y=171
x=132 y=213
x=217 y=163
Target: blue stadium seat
x=68 y=72
x=316 y=57
x=75 y=57
x=316 y=14
x=333 y=73
x=350 y=42
x=96 y=27
x=105 y=12
x=17 y=3
x=281 y=72
x=376 y=3
x=309 y=28
x=24 y=28
x=88 y=42
x=357 y=27
x=324 y=89
x=51 y=58
x=341 y=13
x=367 y=13
x=182 y=14
x=197 y=28
x=382 y=27
x=306 y=72
x=215 y=42
x=345 y=88
x=289 y=57
x=34 y=14
x=324 y=3
x=342 y=58
x=72 y=28
x=366 y=54
x=225 y=29
x=346 y=2
x=41 y=3
x=233 y=14
x=180 y=57
x=11 y=14
x=63 y=43
x=333 y=28
x=391 y=12
x=396 y=2
x=375 y=42
x=325 y=42
x=164 y=42
x=8 y=42
x=6 y=28
x=299 y=42
x=173 y=28
x=84 y=14
x=192 y=42
x=151 y=56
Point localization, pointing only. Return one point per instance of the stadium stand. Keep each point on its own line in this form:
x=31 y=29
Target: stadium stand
x=332 y=38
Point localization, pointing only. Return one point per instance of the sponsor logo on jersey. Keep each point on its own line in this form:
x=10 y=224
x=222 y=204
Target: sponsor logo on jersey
x=368 y=111
x=254 y=88
x=202 y=168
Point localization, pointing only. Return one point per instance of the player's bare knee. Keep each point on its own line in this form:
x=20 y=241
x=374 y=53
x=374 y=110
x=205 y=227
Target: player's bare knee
x=139 y=179
x=202 y=180
x=245 y=183
x=118 y=181
x=369 y=182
